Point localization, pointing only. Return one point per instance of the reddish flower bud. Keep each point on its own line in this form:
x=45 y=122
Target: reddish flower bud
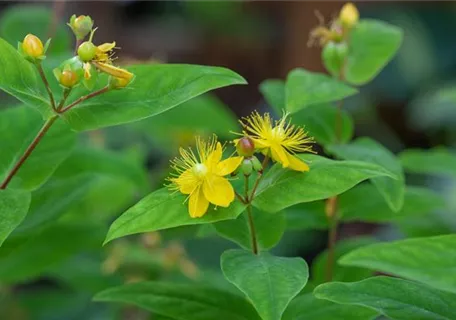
x=245 y=147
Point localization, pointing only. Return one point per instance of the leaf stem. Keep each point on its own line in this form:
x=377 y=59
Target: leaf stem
x=47 y=125
x=83 y=98
x=66 y=93
x=46 y=84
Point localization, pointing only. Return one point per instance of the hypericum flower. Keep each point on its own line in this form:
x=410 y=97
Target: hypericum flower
x=280 y=139
x=201 y=176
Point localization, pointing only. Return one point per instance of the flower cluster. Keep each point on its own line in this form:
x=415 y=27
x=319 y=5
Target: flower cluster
x=338 y=29
x=86 y=64
x=202 y=175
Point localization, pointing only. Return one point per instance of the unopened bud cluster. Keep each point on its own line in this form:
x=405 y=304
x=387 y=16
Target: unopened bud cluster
x=334 y=39
x=245 y=147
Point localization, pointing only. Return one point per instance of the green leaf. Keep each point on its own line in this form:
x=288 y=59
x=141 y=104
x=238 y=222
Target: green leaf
x=14 y=205
x=156 y=89
x=35 y=254
x=164 y=209
x=18 y=127
x=304 y=88
x=281 y=188
x=307 y=307
x=428 y=260
x=320 y=122
x=204 y=115
x=273 y=91
x=372 y=45
x=269 y=282
x=19 y=78
x=368 y=150
x=341 y=273
x=307 y=216
x=395 y=298
x=181 y=301
x=19 y=20
x=54 y=199
x=437 y=161
x=363 y=203
x=269 y=229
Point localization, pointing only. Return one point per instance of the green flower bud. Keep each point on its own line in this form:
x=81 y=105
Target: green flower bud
x=87 y=51
x=246 y=167
x=245 y=147
x=81 y=26
x=69 y=73
x=333 y=56
x=257 y=166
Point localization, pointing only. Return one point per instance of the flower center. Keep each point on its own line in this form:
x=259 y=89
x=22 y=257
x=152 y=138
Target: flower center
x=200 y=170
x=278 y=133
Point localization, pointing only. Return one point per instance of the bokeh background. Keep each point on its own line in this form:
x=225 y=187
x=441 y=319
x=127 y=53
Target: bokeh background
x=406 y=106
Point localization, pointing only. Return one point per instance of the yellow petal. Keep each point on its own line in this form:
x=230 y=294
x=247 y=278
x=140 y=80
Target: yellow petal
x=261 y=144
x=296 y=163
x=279 y=154
x=198 y=204
x=87 y=68
x=105 y=47
x=187 y=182
x=218 y=190
x=228 y=165
x=113 y=71
x=214 y=158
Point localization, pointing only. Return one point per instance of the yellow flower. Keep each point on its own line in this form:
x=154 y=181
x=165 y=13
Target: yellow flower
x=103 y=52
x=202 y=176
x=280 y=139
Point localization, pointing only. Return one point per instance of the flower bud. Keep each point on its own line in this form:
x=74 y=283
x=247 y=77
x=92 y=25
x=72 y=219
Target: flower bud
x=333 y=56
x=81 y=26
x=68 y=78
x=257 y=166
x=349 y=15
x=245 y=147
x=69 y=73
x=32 y=46
x=118 y=83
x=246 y=167
x=87 y=51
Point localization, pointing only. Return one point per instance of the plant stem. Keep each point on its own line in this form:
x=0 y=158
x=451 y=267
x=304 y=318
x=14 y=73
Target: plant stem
x=47 y=125
x=66 y=93
x=78 y=43
x=46 y=84
x=257 y=181
x=253 y=236
x=252 y=230
x=331 y=212
x=83 y=98
x=332 y=215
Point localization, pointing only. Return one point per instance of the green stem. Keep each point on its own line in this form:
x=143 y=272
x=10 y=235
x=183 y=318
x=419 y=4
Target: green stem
x=258 y=179
x=47 y=125
x=252 y=230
